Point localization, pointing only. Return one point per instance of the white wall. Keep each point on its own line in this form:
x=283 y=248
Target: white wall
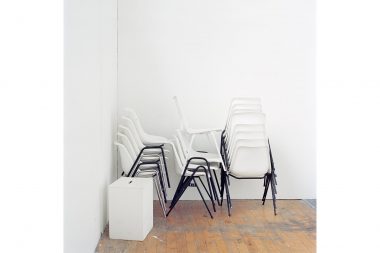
x=208 y=51
x=90 y=119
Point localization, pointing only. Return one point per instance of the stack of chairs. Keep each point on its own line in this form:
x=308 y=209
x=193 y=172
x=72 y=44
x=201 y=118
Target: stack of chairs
x=191 y=170
x=245 y=148
x=244 y=152
x=143 y=155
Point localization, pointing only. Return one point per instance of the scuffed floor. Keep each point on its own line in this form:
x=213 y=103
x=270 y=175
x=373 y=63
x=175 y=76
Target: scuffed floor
x=251 y=228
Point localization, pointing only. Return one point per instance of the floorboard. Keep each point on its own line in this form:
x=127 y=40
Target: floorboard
x=251 y=228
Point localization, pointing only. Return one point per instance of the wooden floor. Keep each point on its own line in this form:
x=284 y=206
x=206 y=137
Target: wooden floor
x=251 y=228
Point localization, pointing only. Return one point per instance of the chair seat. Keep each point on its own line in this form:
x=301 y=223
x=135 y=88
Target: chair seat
x=148 y=167
x=147 y=173
x=197 y=174
x=210 y=157
x=155 y=151
x=155 y=140
x=150 y=159
x=200 y=171
x=247 y=174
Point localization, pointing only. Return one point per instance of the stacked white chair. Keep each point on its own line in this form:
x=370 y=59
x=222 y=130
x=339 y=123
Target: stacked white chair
x=148 y=139
x=244 y=152
x=142 y=159
x=147 y=150
x=214 y=158
x=191 y=169
x=146 y=167
x=245 y=147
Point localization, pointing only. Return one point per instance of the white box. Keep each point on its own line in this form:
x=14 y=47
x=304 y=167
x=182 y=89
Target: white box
x=130 y=208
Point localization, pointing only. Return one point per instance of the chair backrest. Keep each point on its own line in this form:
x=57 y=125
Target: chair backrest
x=244 y=135
x=184 y=123
x=179 y=162
x=184 y=143
x=131 y=140
x=250 y=158
x=244 y=102
x=180 y=148
x=130 y=113
x=246 y=128
x=125 y=139
x=240 y=110
x=244 y=118
x=132 y=127
x=125 y=157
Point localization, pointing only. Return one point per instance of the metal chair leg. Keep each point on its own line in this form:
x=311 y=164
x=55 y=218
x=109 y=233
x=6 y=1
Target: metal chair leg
x=267 y=180
x=162 y=182
x=166 y=167
x=181 y=188
x=273 y=196
x=229 y=205
x=216 y=179
x=200 y=193
x=208 y=193
x=178 y=187
x=159 y=195
x=222 y=182
x=214 y=189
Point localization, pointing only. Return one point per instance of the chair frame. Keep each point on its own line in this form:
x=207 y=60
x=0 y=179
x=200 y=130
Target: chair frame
x=185 y=182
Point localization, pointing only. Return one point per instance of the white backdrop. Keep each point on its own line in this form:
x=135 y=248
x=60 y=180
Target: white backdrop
x=208 y=51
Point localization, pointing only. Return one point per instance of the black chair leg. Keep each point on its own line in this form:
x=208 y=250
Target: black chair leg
x=266 y=183
x=214 y=189
x=179 y=186
x=273 y=195
x=166 y=167
x=200 y=193
x=209 y=193
x=217 y=181
x=161 y=182
x=222 y=182
x=229 y=205
x=182 y=189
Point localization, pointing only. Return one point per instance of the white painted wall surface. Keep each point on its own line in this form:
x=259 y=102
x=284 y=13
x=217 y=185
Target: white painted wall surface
x=208 y=51
x=90 y=119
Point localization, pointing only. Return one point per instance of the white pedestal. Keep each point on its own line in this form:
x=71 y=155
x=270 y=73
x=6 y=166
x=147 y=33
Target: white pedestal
x=130 y=208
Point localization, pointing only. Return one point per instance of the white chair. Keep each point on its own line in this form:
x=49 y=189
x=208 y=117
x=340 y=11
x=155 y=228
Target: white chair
x=137 y=146
x=247 y=154
x=213 y=158
x=143 y=169
x=189 y=172
x=147 y=139
x=126 y=138
x=140 y=157
x=141 y=152
x=193 y=133
x=152 y=149
x=244 y=122
x=210 y=132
